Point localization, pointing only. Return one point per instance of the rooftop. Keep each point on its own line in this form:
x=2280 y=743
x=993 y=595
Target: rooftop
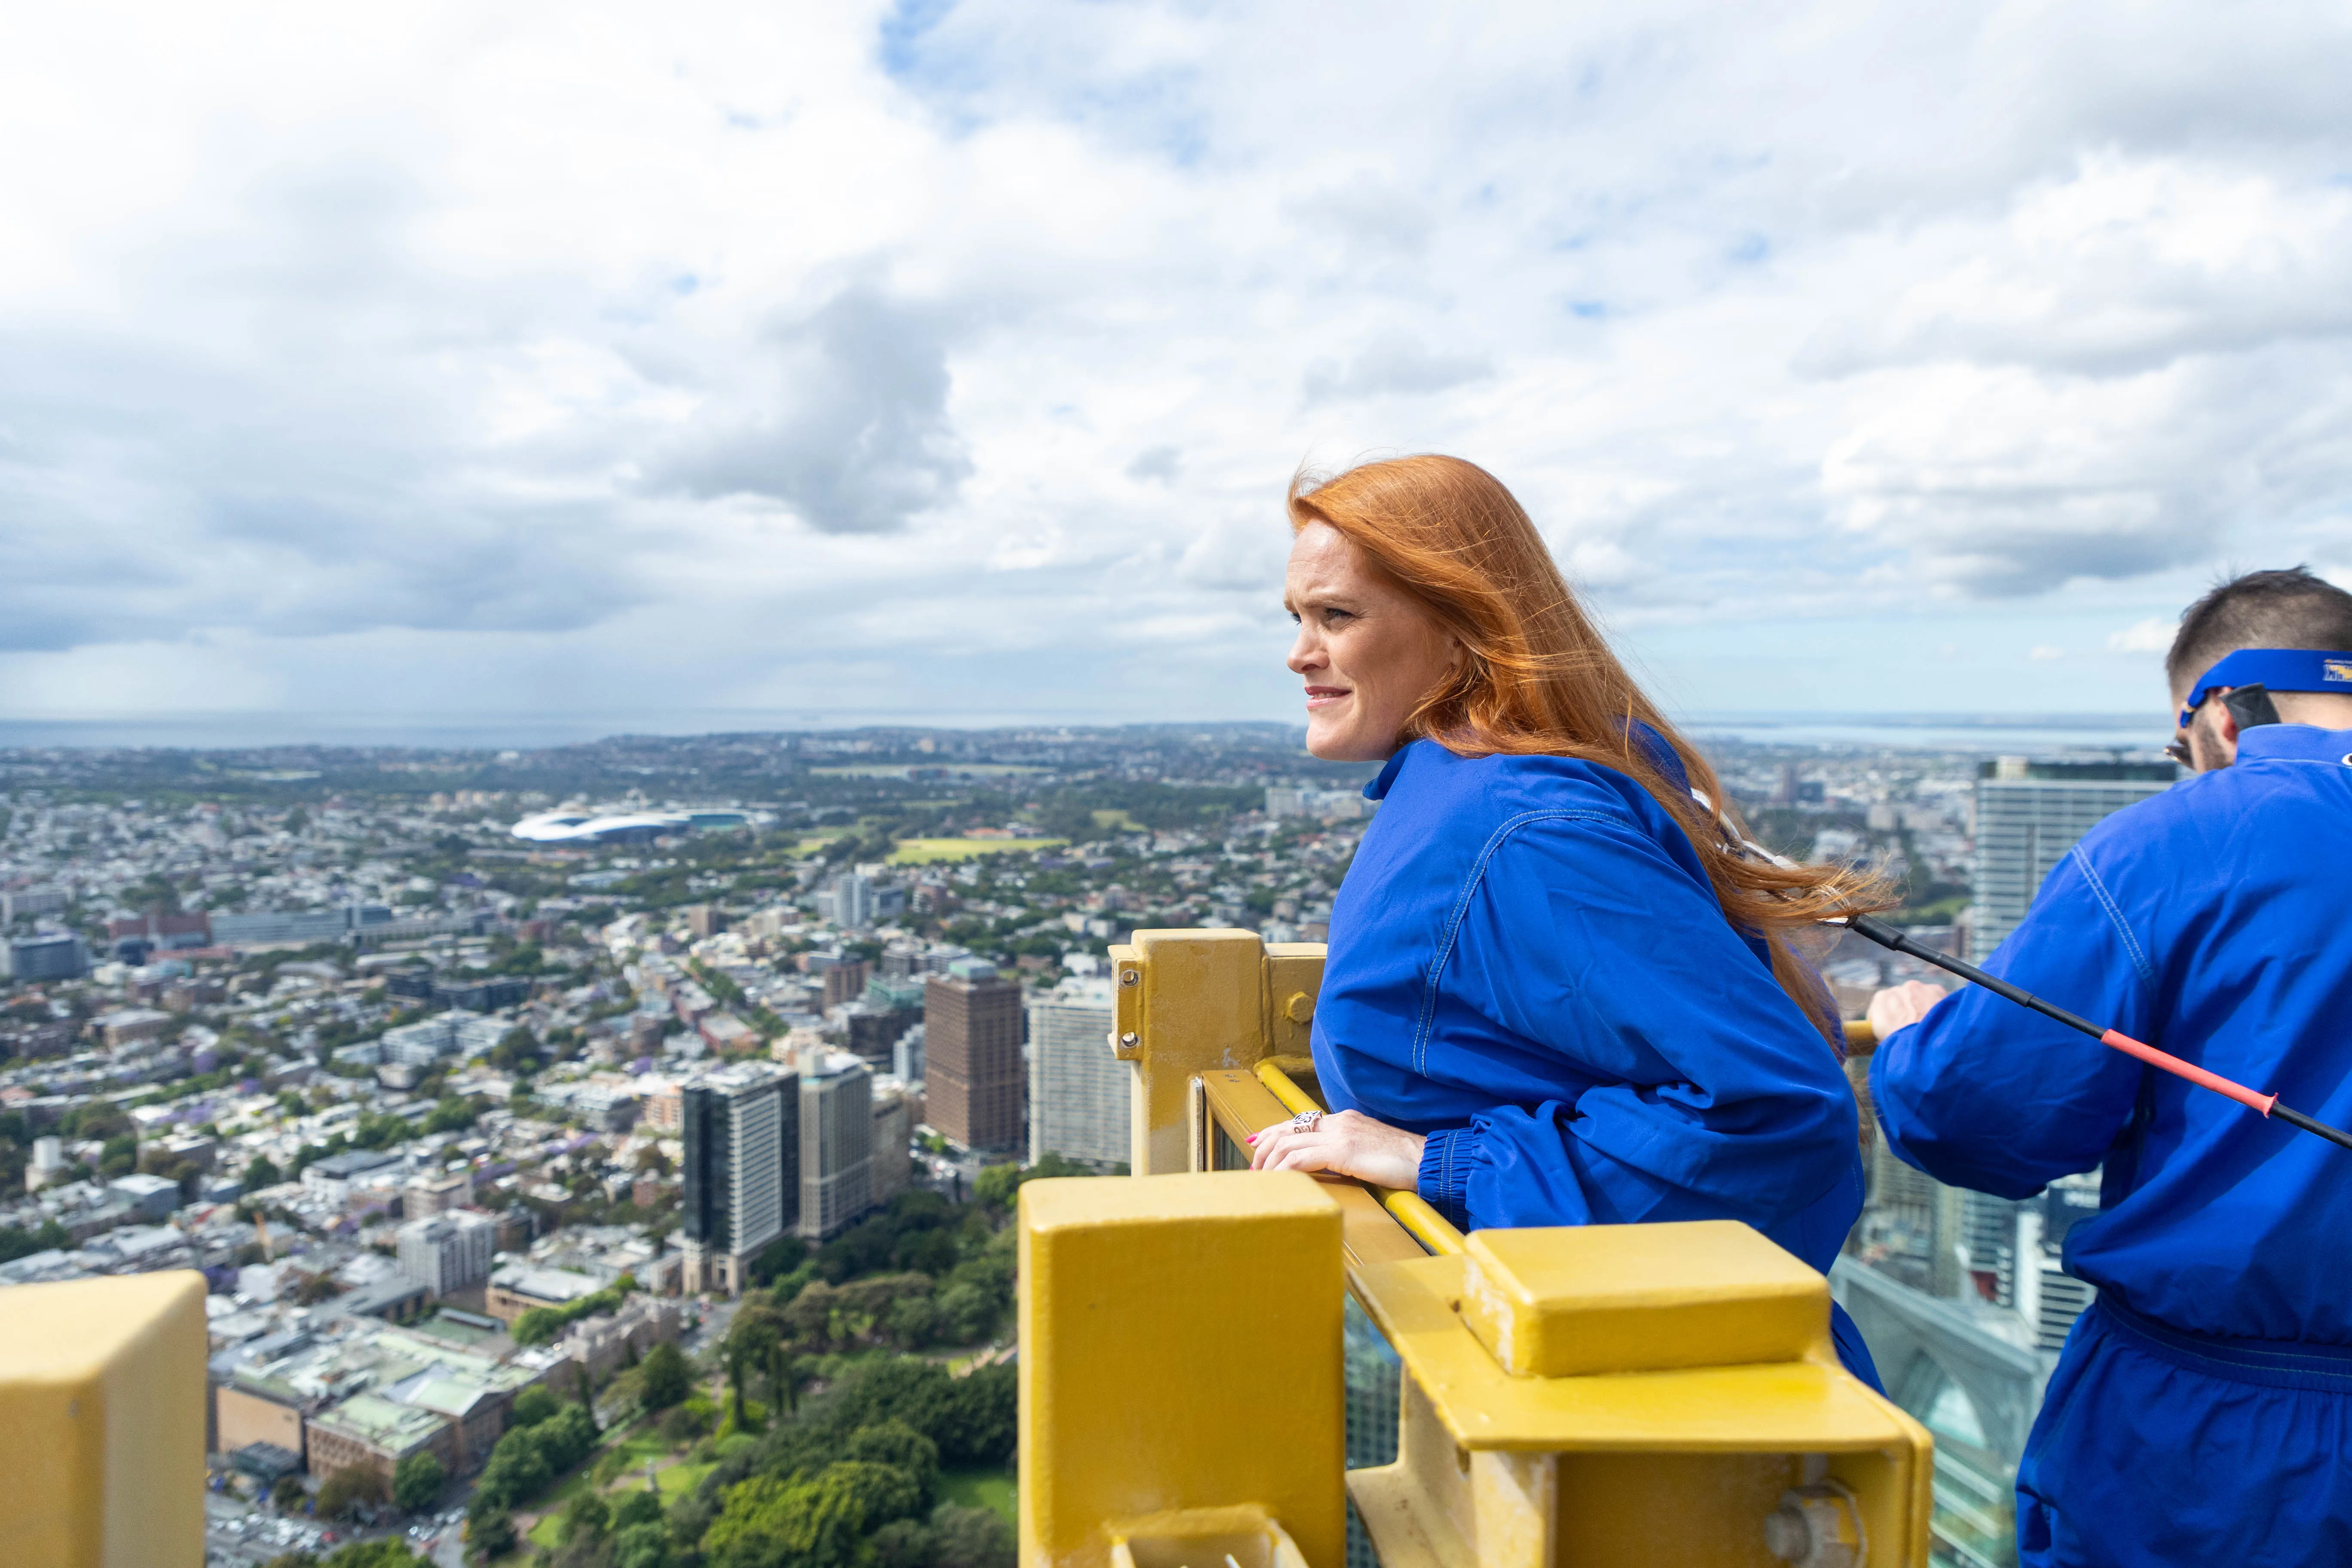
x=352 y=1162
x=378 y=1421
x=554 y=1285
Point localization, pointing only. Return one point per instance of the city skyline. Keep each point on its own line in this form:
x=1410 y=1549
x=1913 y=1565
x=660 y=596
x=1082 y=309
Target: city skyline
x=923 y=360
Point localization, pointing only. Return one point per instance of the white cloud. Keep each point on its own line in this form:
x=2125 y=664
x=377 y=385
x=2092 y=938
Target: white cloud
x=2153 y=634
x=870 y=359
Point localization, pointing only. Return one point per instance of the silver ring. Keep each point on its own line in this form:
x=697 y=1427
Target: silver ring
x=1305 y=1121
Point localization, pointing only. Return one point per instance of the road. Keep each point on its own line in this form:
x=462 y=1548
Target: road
x=237 y=1533
x=718 y=1317
x=449 y=1549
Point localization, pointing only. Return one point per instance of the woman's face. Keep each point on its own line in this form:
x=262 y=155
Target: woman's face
x=1368 y=653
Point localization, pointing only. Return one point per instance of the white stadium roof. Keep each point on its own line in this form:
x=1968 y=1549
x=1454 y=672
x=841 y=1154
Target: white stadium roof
x=595 y=827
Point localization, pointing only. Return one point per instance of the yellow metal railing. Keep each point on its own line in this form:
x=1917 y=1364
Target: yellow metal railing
x=103 y=1421
x=1411 y=1210
x=1663 y=1394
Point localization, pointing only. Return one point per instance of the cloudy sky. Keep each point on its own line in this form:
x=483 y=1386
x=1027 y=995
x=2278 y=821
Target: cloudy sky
x=679 y=366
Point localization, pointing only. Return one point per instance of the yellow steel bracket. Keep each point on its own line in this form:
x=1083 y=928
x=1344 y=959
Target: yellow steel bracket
x=103 y=1421
x=1654 y=1394
x=1181 y=1395
x=1190 y=1002
x=1193 y=1007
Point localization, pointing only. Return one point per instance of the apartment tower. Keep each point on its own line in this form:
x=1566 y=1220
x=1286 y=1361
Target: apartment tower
x=2029 y=814
x=972 y=1073
x=837 y=1143
x=742 y=1188
x=1079 y=1091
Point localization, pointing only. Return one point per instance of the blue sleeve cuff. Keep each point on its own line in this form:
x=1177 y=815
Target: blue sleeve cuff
x=1444 y=1180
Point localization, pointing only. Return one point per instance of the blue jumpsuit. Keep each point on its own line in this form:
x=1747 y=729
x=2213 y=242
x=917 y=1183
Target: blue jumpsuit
x=1527 y=965
x=2199 y=1411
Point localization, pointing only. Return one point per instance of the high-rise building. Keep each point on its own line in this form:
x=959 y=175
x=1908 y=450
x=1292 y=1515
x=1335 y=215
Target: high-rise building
x=897 y=993
x=436 y=1192
x=2028 y=816
x=872 y=1031
x=1965 y=1301
x=907 y=1056
x=1078 y=1090
x=836 y=1140
x=845 y=982
x=907 y=961
x=849 y=903
x=447 y=1253
x=894 y=1135
x=52 y=955
x=26 y=902
x=705 y=920
x=49 y=1164
x=1329 y=804
x=1988 y=1231
x=2060 y=1299
x=972 y=1073
x=741 y=1186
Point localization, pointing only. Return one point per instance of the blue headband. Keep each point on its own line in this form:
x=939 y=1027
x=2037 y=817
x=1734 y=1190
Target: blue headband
x=2277 y=669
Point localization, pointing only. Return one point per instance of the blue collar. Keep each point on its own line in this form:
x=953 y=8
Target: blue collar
x=2296 y=743
x=1654 y=746
x=1379 y=788
x=2277 y=669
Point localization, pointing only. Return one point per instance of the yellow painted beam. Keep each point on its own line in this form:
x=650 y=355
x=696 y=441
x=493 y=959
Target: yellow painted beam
x=102 y=1422
x=1564 y=1301
x=1293 y=978
x=1183 y=1001
x=1180 y=1371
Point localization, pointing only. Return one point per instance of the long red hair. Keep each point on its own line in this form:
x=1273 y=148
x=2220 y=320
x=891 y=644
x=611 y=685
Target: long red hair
x=1539 y=678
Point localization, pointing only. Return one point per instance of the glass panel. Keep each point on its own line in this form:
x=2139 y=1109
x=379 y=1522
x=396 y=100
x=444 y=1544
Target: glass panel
x=1375 y=1385
x=1974 y=1524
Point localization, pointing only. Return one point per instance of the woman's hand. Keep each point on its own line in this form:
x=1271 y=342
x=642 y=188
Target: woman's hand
x=1347 y=1143
x=1900 y=1006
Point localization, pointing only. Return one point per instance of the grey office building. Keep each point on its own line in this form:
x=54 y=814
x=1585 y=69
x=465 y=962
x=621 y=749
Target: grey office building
x=263 y=927
x=836 y=1166
x=49 y=956
x=2028 y=816
x=447 y=1252
x=1079 y=1091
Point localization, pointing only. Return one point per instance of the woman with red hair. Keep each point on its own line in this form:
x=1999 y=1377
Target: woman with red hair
x=1560 y=989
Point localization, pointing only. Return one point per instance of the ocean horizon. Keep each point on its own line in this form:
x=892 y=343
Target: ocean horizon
x=1976 y=732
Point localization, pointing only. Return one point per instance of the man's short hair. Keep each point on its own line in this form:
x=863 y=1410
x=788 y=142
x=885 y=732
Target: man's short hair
x=2290 y=608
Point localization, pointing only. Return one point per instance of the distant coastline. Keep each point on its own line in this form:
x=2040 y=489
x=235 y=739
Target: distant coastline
x=1985 y=734
x=1977 y=732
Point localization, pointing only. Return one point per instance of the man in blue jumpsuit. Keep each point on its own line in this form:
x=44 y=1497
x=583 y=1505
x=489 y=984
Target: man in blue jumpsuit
x=2202 y=1411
